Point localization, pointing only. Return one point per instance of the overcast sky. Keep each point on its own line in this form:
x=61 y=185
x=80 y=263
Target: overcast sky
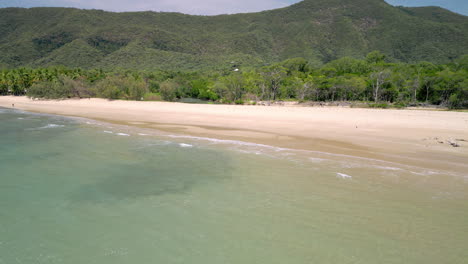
x=206 y=7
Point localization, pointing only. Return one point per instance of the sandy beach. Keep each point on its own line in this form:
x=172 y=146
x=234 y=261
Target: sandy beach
x=412 y=137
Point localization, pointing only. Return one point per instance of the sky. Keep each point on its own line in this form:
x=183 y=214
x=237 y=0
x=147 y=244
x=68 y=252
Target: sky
x=207 y=7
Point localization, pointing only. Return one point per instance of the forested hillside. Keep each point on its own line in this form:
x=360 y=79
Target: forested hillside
x=318 y=30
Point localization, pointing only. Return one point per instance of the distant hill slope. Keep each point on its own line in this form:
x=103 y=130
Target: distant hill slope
x=318 y=30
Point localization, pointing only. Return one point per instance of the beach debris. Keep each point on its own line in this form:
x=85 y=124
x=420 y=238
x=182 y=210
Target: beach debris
x=453 y=143
x=461 y=139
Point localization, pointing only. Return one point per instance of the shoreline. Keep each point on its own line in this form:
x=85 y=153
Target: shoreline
x=416 y=138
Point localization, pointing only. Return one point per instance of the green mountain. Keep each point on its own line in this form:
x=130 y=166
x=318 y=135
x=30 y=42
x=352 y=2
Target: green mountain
x=318 y=30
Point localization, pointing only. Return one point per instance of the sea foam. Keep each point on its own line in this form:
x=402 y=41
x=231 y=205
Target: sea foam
x=50 y=126
x=343 y=176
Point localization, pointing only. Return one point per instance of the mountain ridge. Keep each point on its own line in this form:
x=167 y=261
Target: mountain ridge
x=317 y=30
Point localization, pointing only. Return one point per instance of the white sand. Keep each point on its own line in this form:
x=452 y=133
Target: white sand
x=407 y=136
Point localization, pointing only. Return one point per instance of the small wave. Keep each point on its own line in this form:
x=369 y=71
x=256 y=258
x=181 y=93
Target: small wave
x=142 y=134
x=183 y=145
x=123 y=134
x=343 y=176
x=316 y=160
x=227 y=141
x=388 y=168
x=108 y=132
x=425 y=172
x=20 y=118
x=50 y=126
x=160 y=143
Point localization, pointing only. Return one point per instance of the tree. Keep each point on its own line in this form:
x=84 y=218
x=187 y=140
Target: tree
x=254 y=84
x=295 y=65
x=377 y=80
x=375 y=57
x=347 y=65
x=273 y=76
x=302 y=87
x=3 y=84
x=351 y=87
x=459 y=99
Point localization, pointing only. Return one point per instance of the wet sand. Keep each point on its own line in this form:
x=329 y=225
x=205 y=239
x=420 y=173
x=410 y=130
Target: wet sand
x=411 y=137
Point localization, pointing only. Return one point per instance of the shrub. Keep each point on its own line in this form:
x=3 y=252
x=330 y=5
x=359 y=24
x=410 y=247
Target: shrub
x=109 y=88
x=3 y=88
x=153 y=86
x=121 y=87
x=168 y=90
x=152 y=97
x=400 y=105
x=63 y=87
x=78 y=88
x=136 y=89
x=207 y=94
x=379 y=105
x=457 y=102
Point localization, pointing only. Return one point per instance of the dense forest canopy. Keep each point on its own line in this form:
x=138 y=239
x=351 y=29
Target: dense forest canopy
x=319 y=31
x=373 y=80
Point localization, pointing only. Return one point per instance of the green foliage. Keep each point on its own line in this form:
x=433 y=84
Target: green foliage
x=375 y=57
x=121 y=87
x=312 y=32
x=349 y=65
x=386 y=84
x=152 y=97
x=63 y=87
x=168 y=90
x=379 y=105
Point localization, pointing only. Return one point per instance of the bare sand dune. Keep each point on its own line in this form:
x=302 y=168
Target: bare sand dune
x=412 y=137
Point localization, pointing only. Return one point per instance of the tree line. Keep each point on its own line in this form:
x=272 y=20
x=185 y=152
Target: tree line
x=373 y=80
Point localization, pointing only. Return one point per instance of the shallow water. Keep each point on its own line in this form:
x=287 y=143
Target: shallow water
x=80 y=191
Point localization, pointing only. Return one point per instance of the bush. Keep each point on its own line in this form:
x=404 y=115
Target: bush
x=109 y=88
x=49 y=90
x=78 y=88
x=208 y=95
x=457 y=102
x=152 y=97
x=121 y=87
x=379 y=105
x=136 y=89
x=239 y=102
x=153 y=86
x=168 y=90
x=400 y=105
x=3 y=88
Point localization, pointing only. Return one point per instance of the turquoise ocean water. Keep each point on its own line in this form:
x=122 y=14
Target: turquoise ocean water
x=81 y=191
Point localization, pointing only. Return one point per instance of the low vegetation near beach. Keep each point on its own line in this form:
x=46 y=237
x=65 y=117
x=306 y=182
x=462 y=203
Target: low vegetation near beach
x=373 y=79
